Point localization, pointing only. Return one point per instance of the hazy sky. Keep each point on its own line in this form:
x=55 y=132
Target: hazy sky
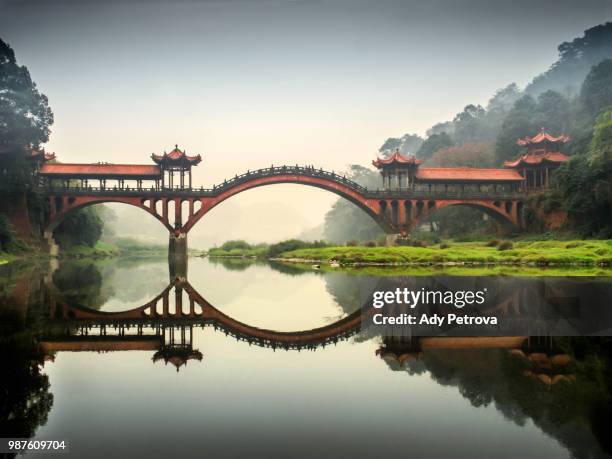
x=250 y=83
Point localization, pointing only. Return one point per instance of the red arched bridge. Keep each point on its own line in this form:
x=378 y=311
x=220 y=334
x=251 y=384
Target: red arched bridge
x=397 y=211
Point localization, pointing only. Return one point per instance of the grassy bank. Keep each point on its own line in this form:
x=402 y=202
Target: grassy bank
x=542 y=253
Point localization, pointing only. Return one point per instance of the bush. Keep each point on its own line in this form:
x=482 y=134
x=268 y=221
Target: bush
x=370 y=244
x=293 y=244
x=505 y=245
x=444 y=245
x=493 y=243
x=236 y=244
x=351 y=243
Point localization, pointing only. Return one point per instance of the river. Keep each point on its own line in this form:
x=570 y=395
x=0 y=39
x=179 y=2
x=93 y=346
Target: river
x=251 y=381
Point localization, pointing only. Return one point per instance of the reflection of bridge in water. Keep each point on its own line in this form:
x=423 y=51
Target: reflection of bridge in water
x=166 y=325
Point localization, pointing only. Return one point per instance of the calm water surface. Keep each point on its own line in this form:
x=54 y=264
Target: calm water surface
x=217 y=392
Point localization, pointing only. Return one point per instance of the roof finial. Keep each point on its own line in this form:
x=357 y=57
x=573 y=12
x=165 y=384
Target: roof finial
x=176 y=146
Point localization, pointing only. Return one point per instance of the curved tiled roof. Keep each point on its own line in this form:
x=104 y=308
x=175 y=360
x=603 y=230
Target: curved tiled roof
x=177 y=156
x=395 y=158
x=542 y=137
x=101 y=170
x=467 y=174
x=537 y=158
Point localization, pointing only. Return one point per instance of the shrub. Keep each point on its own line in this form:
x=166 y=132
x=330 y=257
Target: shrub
x=351 y=243
x=370 y=244
x=505 y=245
x=444 y=245
x=293 y=244
x=236 y=244
x=493 y=243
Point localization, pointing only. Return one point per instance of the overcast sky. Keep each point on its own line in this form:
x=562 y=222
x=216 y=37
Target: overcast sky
x=250 y=83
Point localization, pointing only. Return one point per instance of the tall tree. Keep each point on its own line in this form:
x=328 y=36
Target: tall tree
x=25 y=116
x=585 y=183
x=596 y=93
x=434 y=143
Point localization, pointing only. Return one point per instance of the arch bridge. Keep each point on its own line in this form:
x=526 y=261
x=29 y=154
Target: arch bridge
x=397 y=211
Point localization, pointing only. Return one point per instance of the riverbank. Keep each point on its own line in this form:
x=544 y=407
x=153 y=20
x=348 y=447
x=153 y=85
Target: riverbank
x=534 y=253
x=101 y=250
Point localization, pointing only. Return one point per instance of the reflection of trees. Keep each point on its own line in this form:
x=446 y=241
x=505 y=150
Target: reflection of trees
x=81 y=283
x=93 y=283
x=25 y=400
x=350 y=292
x=576 y=414
x=233 y=264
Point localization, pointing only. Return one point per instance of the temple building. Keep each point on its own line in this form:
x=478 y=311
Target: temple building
x=176 y=161
x=542 y=158
x=403 y=173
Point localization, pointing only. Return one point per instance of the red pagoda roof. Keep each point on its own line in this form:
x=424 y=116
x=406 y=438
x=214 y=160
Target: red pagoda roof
x=468 y=174
x=395 y=158
x=531 y=159
x=542 y=137
x=101 y=171
x=176 y=157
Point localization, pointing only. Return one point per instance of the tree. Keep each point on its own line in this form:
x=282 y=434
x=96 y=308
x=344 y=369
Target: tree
x=596 y=93
x=585 y=183
x=553 y=112
x=471 y=154
x=25 y=116
x=470 y=125
x=345 y=221
x=575 y=60
x=434 y=143
x=503 y=99
x=408 y=144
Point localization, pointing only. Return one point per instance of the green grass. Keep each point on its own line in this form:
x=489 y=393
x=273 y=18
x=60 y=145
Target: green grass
x=537 y=253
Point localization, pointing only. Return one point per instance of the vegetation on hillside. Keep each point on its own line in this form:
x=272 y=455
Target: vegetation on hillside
x=567 y=98
x=25 y=123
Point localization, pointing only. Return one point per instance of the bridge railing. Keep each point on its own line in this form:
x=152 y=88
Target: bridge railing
x=309 y=171
x=272 y=171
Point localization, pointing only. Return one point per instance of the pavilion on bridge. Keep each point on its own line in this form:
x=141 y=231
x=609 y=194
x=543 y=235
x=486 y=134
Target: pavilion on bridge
x=531 y=171
x=176 y=161
x=404 y=173
x=542 y=158
x=137 y=174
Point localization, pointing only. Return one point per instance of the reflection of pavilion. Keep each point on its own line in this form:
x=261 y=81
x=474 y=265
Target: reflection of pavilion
x=177 y=352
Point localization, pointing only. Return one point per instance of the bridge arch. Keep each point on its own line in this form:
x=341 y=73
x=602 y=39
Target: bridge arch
x=61 y=207
x=370 y=206
x=505 y=212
